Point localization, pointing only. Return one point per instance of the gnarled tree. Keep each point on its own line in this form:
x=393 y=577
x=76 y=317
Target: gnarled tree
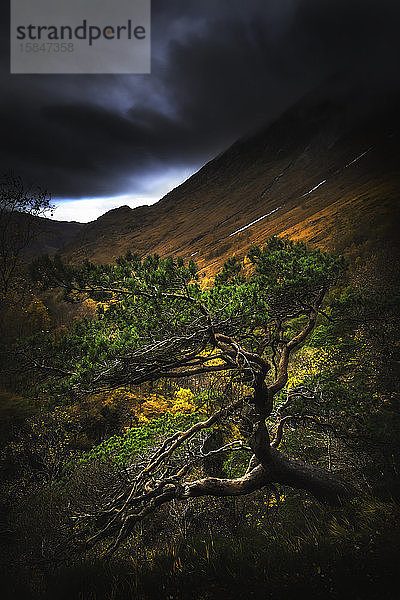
x=19 y=207
x=156 y=322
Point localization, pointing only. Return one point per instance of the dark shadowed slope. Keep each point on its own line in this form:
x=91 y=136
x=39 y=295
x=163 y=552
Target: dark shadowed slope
x=52 y=236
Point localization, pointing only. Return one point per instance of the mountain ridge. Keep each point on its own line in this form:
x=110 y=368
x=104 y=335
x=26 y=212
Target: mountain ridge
x=317 y=167
x=324 y=172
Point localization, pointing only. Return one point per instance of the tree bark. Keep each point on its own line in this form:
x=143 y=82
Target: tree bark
x=324 y=486
x=214 y=486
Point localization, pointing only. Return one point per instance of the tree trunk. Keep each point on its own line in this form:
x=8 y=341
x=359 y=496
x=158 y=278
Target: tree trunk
x=324 y=486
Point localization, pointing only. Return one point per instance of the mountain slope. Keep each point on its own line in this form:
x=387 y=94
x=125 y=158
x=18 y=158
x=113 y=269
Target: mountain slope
x=52 y=236
x=321 y=173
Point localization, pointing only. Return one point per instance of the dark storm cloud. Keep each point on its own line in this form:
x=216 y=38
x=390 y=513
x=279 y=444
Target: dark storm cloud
x=219 y=69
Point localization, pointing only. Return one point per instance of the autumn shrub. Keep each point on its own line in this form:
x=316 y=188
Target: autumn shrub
x=121 y=449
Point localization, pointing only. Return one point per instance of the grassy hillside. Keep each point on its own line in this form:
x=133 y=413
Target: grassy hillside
x=321 y=173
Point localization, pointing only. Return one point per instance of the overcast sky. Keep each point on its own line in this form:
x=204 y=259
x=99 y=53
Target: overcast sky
x=220 y=68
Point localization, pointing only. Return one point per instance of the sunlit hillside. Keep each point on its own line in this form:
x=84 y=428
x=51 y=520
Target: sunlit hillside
x=322 y=173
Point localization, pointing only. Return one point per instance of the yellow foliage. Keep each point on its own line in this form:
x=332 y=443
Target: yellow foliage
x=155 y=405
x=275 y=499
x=307 y=362
x=183 y=401
x=38 y=315
x=133 y=407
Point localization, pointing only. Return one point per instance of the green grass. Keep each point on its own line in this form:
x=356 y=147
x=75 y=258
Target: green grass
x=303 y=553
x=120 y=449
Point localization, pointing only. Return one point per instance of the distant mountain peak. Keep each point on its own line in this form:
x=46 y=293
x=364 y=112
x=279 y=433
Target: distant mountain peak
x=120 y=209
